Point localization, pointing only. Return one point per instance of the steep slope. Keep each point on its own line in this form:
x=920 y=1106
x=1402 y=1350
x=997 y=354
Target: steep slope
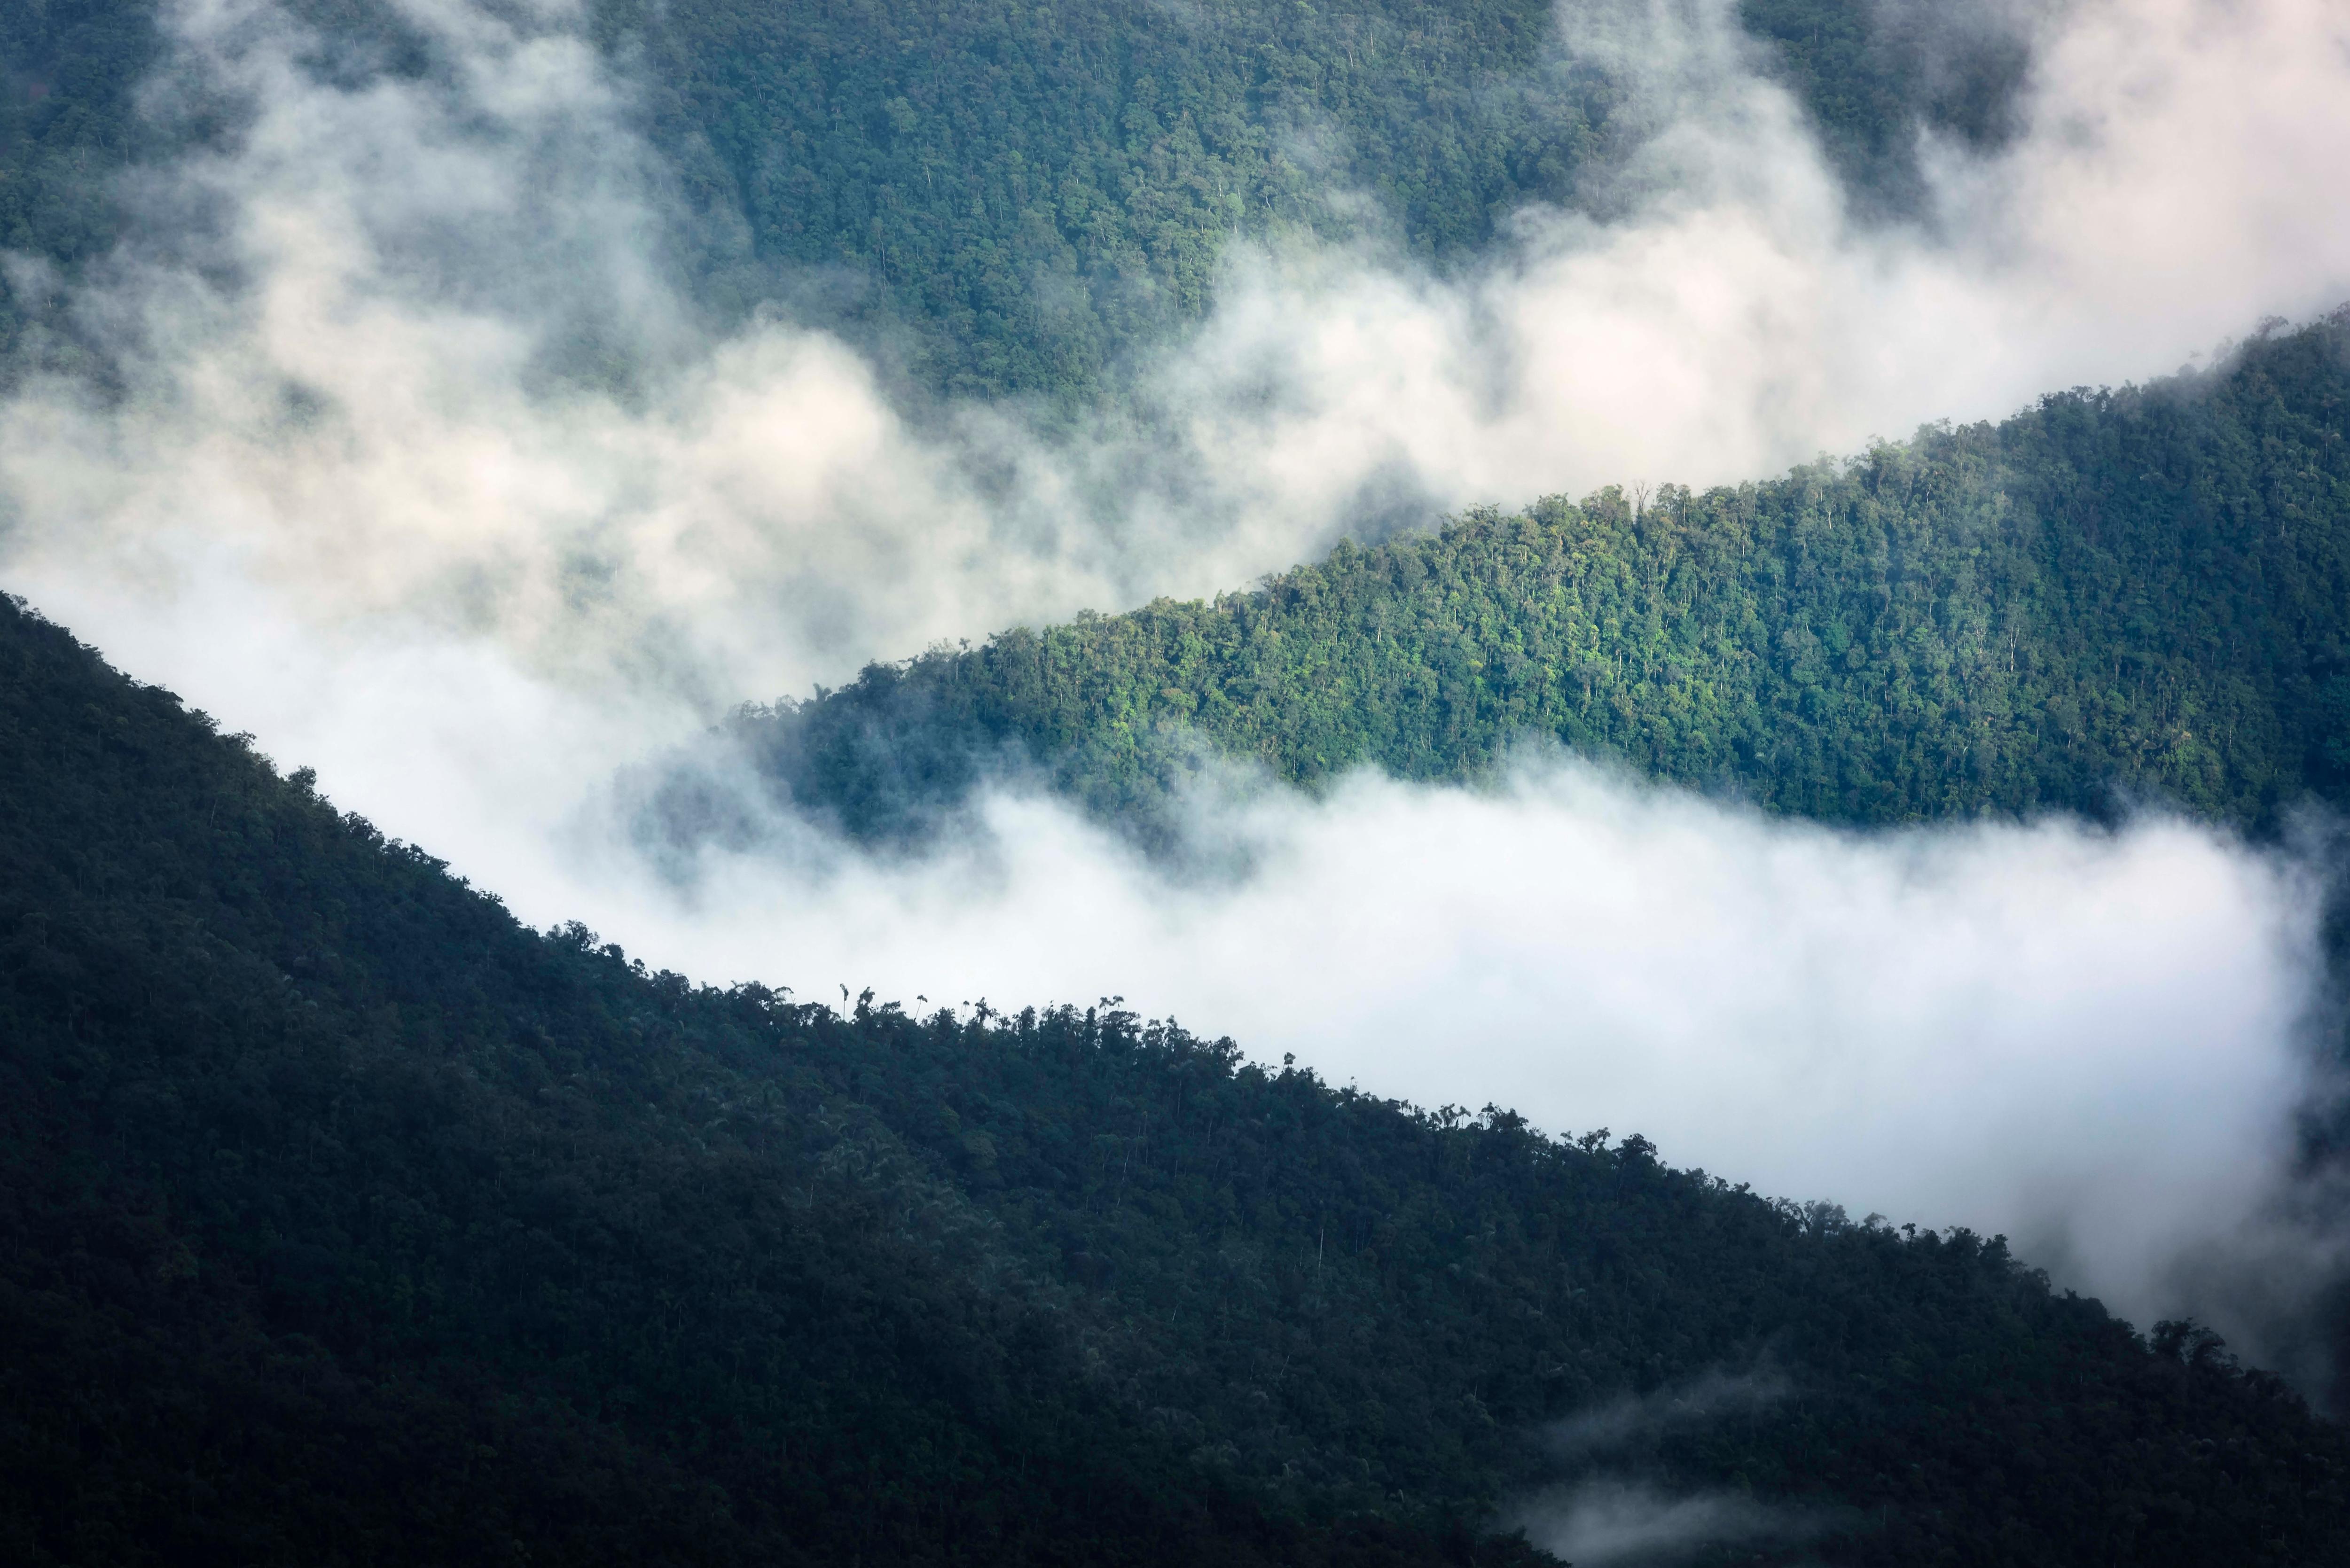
x=345 y=1220
x=2143 y=592
x=342 y=1216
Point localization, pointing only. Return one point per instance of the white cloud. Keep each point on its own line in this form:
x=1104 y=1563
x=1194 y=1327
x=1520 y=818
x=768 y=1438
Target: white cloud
x=1607 y=1521
x=1630 y=1419
x=2168 y=192
x=2090 y=1041
x=365 y=420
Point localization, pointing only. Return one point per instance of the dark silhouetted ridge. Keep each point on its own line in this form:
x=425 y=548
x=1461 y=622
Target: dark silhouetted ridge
x=343 y=1218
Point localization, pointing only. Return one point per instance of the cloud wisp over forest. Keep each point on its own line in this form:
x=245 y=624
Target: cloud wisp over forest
x=2093 y=1041
x=392 y=436
x=1730 y=318
x=410 y=354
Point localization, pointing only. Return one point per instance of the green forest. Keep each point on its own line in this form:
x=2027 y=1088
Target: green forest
x=345 y=1220
x=2113 y=598
x=997 y=196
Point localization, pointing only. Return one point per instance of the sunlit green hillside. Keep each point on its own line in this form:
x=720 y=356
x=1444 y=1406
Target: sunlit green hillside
x=2141 y=594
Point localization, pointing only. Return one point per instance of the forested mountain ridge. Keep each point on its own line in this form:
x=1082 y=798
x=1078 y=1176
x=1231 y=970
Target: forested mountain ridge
x=348 y=1220
x=343 y=1217
x=2135 y=593
x=1000 y=197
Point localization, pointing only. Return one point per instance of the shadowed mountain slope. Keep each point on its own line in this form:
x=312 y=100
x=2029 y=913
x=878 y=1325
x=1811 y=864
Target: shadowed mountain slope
x=347 y=1220
x=343 y=1218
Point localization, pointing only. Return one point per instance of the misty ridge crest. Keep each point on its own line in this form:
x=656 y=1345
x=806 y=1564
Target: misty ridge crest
x=2113 y=597
x=305 y=1137
x=566 y=443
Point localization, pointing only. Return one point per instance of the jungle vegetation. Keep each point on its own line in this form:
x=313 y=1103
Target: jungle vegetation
x=2124 y=596
x=998 y=196
x=343 y=1218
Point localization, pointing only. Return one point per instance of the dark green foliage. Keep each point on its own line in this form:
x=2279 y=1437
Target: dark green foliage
x=1877 y=74
x=2138 y=592
x=1002 y=196
x=1023 y=192
x=85 y=94
x=67 y=68
x=66 y=71
x=343 y=1218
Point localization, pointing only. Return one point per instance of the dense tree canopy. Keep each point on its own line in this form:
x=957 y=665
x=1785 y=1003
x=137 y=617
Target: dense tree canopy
x=2136 y=594
x=342 y=1218
x=1004 y=196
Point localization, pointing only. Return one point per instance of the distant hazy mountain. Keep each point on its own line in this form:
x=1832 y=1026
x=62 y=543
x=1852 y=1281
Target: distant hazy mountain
x=1008 y=197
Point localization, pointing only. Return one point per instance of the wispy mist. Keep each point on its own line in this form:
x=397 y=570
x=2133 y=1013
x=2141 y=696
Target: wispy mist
x=408 y=354
x=2090 y=1041
x=1610 y=1521
x=1735 y=320
x=1609 y=1428
x=1606 y=1513
x=411 y=456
